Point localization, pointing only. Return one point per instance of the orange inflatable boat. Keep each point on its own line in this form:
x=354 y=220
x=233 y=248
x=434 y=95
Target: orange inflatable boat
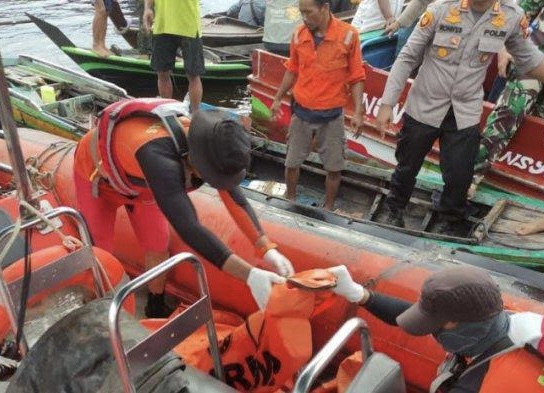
x=384 y=260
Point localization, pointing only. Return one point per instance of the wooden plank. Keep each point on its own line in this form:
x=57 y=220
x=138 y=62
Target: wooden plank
x=505 y=229
x=371 y=215
x=23 y=78
x=521 y=214
x=489 y=220
x=532 y=242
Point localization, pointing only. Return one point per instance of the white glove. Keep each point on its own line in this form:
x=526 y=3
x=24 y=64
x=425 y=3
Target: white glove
x=260 y=283
x=345 y=286
x=279 y=262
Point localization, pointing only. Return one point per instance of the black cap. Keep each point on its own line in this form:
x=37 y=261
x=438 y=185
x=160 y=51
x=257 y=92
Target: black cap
x=219 y=148
x=460 y=294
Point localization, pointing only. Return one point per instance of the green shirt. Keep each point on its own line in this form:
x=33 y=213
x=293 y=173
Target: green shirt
x=179 y=17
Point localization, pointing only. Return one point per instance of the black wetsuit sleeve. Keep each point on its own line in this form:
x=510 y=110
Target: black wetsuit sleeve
x=386 y=308
x=163 y=170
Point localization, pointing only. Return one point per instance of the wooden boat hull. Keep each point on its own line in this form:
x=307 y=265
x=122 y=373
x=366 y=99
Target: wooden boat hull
x=490 y=230
x=78 y=96
x=217 y=30
x=531 y=256
x=518 y=170
x=387 y=261
x=130 y=70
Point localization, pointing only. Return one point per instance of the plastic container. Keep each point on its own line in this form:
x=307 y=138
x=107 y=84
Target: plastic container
x=48 y=94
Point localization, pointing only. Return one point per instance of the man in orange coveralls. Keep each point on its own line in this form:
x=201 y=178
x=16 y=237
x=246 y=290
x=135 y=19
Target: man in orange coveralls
x=324 y=67
x=159 y=174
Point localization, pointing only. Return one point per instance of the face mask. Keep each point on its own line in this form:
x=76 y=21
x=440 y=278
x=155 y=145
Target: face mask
x=473 y=338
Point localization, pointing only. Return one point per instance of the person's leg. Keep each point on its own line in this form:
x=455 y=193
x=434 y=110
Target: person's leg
x=415 y=140
x=330 y=141
x=99 y=213
x=163 y=58
x=193 y=59
x=458 y=149
x=530 y=228
x=164 y=84
x=195 y=91
x=152 y=231
x=517 y=99
x=299 y=144
x=99 y=28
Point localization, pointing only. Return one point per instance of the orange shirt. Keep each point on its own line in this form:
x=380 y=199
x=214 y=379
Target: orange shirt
x=325 y=74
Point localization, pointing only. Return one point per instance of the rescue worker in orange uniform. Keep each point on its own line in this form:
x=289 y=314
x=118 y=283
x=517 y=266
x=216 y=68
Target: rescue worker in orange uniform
x=491 y=350
x=160 y=168
x=324 y=67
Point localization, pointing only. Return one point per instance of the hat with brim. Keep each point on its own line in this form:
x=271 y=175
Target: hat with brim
x=219 y=148
x=417 y=322
x=457 y=294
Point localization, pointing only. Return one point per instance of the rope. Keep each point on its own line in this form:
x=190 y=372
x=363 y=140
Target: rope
x=11 y=240
x=45 y=180
x=70 y=242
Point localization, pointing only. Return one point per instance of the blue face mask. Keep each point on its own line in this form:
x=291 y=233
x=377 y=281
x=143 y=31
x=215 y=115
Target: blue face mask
x=473 y=338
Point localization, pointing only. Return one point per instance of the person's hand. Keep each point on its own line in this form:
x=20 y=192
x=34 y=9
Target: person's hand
x=503 y=59
x=357 y=122
x=346 y=287
x=383 y=119
x=391 y=27
x=148 y=18
x=260 y=283
x=275 y=108
x=277 y=261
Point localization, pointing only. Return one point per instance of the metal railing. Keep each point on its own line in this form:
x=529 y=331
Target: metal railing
x=314 y=368
x=148 y=351
x=55 y=272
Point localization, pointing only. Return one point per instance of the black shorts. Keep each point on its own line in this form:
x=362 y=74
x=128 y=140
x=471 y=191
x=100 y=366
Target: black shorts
x=165 y=49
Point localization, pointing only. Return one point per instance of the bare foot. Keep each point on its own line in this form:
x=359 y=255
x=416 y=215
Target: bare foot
x=102 y=51
x=527 y=229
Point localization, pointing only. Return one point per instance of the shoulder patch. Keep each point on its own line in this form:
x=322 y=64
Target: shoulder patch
x=524 y=26
x=426 y=19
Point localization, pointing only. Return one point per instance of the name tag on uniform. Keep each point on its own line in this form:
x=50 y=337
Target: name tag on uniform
x=450 y=29
x=494 y=33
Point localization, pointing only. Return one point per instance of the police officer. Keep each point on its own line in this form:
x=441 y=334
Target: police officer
x=454 y=42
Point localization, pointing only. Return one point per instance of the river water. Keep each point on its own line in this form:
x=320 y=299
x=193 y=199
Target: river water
x=74 y=18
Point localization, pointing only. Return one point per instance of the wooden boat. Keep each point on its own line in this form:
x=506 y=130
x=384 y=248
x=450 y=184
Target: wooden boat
x=75 y=97
x=518 y=170
x=385 y=260
x=218 y=30
x=128 y=68
x=490 y=231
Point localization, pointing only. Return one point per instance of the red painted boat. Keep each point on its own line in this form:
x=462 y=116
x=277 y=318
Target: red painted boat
x=519 y=169
x=387 y=261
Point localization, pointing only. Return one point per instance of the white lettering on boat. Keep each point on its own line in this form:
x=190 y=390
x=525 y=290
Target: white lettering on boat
x=522 y=162
x=372 y=105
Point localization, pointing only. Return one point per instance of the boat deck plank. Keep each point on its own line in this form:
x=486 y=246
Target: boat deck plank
x=521 y=214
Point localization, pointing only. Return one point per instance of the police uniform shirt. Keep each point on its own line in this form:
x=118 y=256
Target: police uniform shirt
x=454 y=47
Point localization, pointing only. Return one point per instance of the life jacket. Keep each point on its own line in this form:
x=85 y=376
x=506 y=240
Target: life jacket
x=106 y=163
